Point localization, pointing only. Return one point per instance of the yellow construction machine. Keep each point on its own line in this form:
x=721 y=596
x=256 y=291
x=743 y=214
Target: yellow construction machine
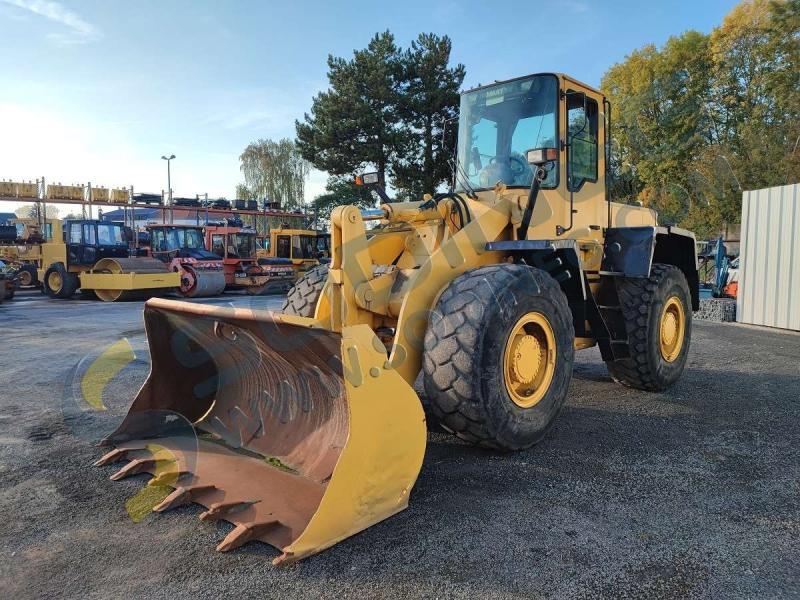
x=95 y=256
x=306 y=248
x=22 y=249
x=303 y=428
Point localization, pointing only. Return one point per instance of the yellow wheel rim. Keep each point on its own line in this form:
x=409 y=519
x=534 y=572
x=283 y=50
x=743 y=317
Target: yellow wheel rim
x=25 y=278
x=672 y=327
x=54 y=281
x=529 y=360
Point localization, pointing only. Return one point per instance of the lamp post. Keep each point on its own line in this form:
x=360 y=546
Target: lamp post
x=169 y=184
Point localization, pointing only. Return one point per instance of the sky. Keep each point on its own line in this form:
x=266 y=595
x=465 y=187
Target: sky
x=99 y=90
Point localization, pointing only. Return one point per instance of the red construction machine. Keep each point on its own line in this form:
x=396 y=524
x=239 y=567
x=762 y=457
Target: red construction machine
x=236 y=246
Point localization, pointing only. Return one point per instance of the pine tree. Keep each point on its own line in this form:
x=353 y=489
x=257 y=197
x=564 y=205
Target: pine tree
x=355 y=124
x=429 y=100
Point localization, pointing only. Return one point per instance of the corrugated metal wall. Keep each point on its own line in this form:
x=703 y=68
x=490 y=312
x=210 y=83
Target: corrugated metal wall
x=769 y=264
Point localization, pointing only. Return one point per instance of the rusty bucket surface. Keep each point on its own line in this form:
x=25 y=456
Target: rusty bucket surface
x=297 y=435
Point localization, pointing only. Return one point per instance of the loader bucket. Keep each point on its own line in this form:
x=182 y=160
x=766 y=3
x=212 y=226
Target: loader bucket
x=298 y=436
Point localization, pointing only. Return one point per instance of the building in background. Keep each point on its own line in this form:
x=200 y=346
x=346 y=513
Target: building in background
x=769 y=261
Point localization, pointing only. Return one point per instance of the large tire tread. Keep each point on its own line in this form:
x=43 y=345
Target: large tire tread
x=302 y=299
x=454 y=379
x=636 y=297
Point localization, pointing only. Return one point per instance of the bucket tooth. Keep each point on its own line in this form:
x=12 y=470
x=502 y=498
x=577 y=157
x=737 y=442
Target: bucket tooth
x=144 y=465
x=181 y=496
x=245 y=533
x=168 y=478
x=219 y=510
x=116 y=455
x=136 y=466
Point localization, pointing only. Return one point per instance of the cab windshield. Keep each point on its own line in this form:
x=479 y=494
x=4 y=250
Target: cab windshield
x=498 y=124
x=194 y=239
x=171 y=239
x=242 y=245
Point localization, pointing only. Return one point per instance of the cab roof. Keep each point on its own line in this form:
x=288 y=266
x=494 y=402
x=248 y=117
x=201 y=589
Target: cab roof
x=559 y=75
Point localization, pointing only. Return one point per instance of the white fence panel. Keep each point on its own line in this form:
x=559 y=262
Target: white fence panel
x=769 y=263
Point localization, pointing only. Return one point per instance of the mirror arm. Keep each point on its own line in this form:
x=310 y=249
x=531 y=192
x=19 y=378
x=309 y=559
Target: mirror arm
x=536 y=184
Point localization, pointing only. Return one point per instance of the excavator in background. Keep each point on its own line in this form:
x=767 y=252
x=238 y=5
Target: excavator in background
x=304 y=428
x=182 y=248
x=94 y=256
x=236 y=246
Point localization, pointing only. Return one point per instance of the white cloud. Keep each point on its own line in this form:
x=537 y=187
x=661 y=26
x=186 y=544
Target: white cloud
x=78 y=31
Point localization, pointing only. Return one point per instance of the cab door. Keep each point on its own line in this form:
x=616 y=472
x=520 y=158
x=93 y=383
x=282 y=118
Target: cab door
x=584 y=181
x=283 y=248
x=81 y=239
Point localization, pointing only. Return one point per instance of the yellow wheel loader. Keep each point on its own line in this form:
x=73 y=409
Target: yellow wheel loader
x=94 y=256
x=303 y=428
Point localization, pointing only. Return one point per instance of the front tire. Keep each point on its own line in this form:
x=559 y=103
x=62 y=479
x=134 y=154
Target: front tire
x=302 y=298
x=498 y=356
x=59 y=283
x=658 y=320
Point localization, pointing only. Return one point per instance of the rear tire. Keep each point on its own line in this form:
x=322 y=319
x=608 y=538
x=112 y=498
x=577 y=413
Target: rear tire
x=486 y=379
x=60 y=283
x=302 y=298
x=658 y=319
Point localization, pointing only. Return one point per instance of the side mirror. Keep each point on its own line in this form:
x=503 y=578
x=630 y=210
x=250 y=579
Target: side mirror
x=367 y=179
x=540 y=156
x=373 y=180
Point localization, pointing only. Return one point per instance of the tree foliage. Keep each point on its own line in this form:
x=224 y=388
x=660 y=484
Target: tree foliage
x=34 y=211
x=706 y=116
x=276 y=171
x=243 y=192
x=429 y=98
x=384 y=110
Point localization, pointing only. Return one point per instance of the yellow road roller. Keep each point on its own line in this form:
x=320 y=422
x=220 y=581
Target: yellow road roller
x=94 y=256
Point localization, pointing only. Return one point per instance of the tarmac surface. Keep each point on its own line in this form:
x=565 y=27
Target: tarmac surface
x=694 y=492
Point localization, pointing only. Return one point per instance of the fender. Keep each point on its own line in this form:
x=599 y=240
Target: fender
x=631 y=252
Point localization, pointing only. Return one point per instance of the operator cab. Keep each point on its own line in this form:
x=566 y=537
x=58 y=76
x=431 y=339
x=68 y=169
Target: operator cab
x=302 y=246
x=236 y=245
x=88 y=241
x=181 y=242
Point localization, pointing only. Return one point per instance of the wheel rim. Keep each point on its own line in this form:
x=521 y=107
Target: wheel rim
x=671 y=328
x=54 y=281
x=25 y=278
x=529 y=360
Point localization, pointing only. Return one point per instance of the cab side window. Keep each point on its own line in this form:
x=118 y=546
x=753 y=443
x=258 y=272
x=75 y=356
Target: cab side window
x=582 y=120
x=284 y=248
x=218 y=244
x=75 y=233
x=89 y=235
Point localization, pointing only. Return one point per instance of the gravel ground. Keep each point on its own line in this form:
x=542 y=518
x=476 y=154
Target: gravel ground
x=689 y=493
